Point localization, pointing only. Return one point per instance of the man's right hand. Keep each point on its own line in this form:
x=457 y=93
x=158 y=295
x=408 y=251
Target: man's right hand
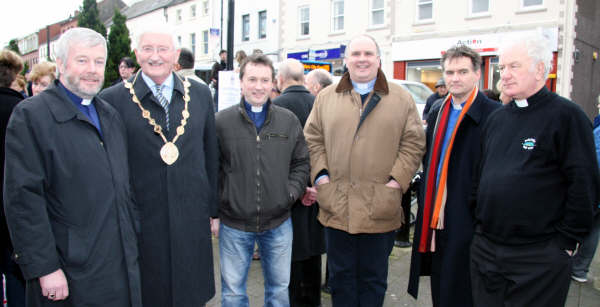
x=54 y=286
x=323 y=180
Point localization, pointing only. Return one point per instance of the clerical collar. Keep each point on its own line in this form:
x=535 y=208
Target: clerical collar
x=521 y=103
x=254 y=109
x=539 y=97
x=364 y=88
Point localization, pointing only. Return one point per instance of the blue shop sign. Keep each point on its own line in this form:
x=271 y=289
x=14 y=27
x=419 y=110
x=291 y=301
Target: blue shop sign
x=323 y=54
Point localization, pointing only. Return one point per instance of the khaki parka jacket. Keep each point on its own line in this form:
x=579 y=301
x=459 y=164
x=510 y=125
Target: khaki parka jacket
x=361 y=147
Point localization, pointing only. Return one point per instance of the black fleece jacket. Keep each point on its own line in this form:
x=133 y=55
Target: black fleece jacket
x=538 y=173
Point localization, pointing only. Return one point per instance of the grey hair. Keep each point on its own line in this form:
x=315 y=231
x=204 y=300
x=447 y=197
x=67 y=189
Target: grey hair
x=84 y=36
x=369 y=37
x=322 y=77
x=292 y=69
x=538 y=49
x=161 y=28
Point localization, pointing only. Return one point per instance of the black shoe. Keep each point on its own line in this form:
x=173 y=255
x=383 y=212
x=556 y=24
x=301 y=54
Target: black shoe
x=402 y=243
x=325 y=288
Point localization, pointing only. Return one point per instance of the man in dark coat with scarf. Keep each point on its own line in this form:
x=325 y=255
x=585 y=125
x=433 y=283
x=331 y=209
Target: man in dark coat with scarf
x=68 y=202
x=174 y=166
x=444 y=226
x=308 y=243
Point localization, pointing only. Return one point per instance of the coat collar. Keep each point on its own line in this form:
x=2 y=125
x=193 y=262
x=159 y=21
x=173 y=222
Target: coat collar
x=63 y=109
x=381 y=85
x=476 y=110
x=142 y=89
x=295 y=88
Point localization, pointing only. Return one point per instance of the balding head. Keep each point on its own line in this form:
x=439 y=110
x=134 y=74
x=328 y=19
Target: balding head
x=291 y=72
x=317 y=79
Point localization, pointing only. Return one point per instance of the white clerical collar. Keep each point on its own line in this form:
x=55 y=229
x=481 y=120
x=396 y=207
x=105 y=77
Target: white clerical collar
x=364 y=88
x=256 y=109
x=521 y=103
x=86 y=102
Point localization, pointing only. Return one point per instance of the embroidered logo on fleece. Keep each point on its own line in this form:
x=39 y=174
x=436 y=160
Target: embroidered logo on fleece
x=528 y=144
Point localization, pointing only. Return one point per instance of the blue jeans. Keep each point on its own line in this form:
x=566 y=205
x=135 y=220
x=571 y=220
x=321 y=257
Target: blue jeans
x=236 y=248
x=585 y=254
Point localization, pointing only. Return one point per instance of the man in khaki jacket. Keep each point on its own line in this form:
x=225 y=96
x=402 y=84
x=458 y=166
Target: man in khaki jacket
x=366 y=141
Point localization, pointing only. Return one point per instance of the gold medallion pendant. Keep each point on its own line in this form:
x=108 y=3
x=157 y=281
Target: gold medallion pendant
x=168 y=152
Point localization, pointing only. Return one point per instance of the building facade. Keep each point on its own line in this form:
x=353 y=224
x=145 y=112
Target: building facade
x=320 y=30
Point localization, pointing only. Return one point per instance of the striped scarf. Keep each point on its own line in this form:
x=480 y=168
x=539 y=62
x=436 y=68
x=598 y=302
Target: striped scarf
x=435 y=196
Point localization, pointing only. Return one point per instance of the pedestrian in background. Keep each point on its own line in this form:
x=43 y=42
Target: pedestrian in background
x=67 y=196
x=317 y=79
x=42 y=75
x=264 y=170
x=440 y=92
x=308 y=244
x=537 y=186
x=587 y=249
x=366 y=142
x=10 y=66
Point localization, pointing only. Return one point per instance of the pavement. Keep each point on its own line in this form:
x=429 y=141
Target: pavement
x=580 y=294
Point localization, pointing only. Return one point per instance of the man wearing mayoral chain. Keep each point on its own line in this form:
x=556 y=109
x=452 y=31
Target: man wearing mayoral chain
x=173 y=154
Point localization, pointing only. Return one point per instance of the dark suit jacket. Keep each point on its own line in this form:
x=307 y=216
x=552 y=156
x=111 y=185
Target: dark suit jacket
x=68 y=201
x=175 y=200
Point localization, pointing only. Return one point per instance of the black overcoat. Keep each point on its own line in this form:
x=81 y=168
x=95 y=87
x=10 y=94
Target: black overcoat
x=8 y=100
x=308 y=232
x=175 y=201
x=451 y=259
x=68 y=201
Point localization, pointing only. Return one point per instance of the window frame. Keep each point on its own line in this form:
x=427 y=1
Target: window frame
x=334 y=17
x=301 y=22
x=193 y=11
x=371 y=11
x=205 y=8
x=193 y=43
x=478 y=14
x=178 y=16
x=205 y=38
x=522 y=5
x=245 y=28
x=418 y=6
x=262 y=32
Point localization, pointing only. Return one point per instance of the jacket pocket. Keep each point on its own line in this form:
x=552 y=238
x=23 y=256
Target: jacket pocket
x=333 y=202
x=385 y=203
x=77 y=248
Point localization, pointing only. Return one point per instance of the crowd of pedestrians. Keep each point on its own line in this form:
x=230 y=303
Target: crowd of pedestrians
x=111 y=197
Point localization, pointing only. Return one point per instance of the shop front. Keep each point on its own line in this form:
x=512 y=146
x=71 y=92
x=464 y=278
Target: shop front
x=419 y=60
x=334 y=56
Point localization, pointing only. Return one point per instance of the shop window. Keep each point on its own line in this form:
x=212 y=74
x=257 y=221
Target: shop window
x=304 y=18
x=426 y=72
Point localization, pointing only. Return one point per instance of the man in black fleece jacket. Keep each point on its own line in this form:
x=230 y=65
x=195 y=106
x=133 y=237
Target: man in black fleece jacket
x=537 y=186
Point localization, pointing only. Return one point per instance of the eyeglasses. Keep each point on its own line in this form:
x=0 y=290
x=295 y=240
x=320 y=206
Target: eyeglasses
x=160 y=49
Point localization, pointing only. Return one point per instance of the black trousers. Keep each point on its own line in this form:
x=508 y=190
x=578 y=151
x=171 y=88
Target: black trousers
x=525 y=275
x=358 y=267
x=305 y=282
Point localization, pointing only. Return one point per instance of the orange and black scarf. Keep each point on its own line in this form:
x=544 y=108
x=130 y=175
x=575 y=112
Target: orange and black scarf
x=435 y=195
